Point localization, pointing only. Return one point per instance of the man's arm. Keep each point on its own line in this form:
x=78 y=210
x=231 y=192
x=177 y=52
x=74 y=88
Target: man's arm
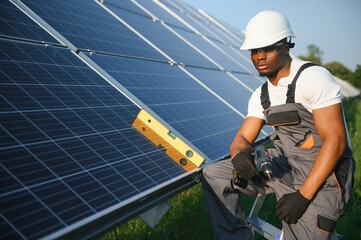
x=330 y=126
x=246 y=135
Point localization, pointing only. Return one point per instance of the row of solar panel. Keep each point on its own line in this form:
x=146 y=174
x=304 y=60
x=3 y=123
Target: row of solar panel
x=74 y=76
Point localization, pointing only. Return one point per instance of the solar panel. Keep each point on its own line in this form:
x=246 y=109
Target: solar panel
x=220 y=41
x=229 y=89
x=176 y=48
x=88 y=26
x=68 y=149
x=103 y=106
x=167 y=41
x=15 y=24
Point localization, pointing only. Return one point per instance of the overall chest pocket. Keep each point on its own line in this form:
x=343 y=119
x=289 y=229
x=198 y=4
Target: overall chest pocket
x=282 y=115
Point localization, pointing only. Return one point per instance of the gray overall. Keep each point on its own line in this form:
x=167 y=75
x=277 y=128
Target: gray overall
x=296 y=144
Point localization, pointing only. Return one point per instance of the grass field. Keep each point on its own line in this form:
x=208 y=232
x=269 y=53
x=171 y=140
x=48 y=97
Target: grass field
x=188 y=218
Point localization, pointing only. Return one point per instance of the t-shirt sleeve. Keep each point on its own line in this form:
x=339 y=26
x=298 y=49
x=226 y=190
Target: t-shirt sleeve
x=255 y=108
x=319 y=88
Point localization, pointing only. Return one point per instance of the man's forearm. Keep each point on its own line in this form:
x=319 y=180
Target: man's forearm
x=239 y=144
x=323 y=167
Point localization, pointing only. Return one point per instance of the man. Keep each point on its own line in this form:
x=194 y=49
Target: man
x=312 y=162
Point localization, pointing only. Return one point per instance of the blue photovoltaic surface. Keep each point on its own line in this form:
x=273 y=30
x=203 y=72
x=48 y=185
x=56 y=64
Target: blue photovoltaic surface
x=183 y=103
x=195 y=19
x=167 y=41
x=211 y=51
x=68 y=149
x=227 y=42
x=229 y=89
x=87 y=25
x=128 y=5
x=198 y=21
x=242 y=58
x=224 y=39
x=15 y=23
x=250 y=80
x=156 y=10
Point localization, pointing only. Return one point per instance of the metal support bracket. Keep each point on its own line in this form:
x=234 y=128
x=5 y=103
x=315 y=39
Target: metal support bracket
x=153 y=215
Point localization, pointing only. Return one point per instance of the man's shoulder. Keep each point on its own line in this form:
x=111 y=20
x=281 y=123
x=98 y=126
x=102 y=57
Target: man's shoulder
x=315 y=74
x=313 y=69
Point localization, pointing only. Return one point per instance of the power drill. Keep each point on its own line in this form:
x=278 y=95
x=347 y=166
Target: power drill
x=262 y=160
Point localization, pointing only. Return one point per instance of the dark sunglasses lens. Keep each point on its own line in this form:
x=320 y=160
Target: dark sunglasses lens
x=269 y=49
x=253 y=51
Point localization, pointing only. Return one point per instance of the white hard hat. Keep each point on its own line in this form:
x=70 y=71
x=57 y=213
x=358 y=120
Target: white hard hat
x=266 y=28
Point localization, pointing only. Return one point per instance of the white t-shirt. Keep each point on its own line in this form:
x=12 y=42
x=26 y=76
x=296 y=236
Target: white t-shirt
x=315 y=88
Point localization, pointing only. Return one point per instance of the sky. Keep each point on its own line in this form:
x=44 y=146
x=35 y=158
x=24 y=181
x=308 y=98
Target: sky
x=334 y=26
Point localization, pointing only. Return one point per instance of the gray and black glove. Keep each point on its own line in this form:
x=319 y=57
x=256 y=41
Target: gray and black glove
x=244 y=165
x=291 y=207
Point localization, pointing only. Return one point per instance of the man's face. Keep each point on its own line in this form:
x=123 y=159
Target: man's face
x=269 y=60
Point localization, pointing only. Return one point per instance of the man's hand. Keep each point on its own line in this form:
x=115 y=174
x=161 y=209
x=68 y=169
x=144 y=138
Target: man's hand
x=291 y=207
x=244 y=165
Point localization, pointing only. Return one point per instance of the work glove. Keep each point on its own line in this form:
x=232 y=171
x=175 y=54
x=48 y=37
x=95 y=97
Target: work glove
x=244 y=165
x=291 y=207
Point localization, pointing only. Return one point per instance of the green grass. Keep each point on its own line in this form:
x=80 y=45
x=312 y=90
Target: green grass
x=188 y=218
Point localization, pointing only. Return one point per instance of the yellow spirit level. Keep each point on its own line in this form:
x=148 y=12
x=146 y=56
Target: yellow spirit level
x=161 y=136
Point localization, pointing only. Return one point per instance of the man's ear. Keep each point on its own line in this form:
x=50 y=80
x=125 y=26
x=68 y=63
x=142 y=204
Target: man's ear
x=287 y=48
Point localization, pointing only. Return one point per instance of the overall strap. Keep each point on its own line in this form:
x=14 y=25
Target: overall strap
x=292 y=86
x=265 y=101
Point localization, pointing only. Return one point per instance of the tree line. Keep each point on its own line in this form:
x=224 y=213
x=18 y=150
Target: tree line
x=336 y=68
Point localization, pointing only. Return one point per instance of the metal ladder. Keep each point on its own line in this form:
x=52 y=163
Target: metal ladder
x=262 y=227
x=266 y=229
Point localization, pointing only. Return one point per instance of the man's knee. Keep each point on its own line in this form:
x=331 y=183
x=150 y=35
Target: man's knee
x=209 y=171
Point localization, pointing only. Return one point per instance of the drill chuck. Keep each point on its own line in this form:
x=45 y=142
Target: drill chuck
x=262 y=161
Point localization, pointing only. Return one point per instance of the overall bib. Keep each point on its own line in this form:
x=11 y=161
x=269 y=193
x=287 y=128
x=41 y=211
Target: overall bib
x=297 y=139
x=297 y=144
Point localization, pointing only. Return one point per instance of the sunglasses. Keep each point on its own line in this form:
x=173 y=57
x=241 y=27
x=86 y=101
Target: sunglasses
x=269 y=49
